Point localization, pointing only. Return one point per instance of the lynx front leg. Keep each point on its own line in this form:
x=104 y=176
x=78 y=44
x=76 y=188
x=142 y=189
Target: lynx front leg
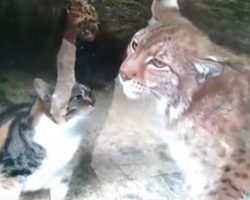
x=226 y=190
x=213 y=195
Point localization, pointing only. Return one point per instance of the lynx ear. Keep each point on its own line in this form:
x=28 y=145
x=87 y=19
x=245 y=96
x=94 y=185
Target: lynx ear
x=160 y=7
x=207 y=67
x=43 y=89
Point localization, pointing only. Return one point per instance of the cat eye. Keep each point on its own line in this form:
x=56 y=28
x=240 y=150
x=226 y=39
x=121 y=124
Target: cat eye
x=77 y=97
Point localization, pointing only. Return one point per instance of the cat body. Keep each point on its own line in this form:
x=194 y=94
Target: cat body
x=38 y=153
x=202 y=96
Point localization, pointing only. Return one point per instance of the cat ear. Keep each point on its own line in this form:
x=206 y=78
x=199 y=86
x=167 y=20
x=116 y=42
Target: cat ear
x=159 y=8
x=207 y=67
x=43 y=89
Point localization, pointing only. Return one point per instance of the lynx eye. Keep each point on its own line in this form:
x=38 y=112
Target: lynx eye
x=134 y=45
x=157 y=63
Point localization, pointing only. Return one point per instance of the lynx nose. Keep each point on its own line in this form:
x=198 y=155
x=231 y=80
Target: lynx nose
x=124 y=76
x=133 y=69
x=129 y=71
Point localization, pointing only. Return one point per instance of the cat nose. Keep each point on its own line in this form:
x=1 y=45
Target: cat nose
x=90 y=99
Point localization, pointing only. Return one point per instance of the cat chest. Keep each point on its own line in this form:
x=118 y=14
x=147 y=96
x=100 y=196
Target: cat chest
x=60 y=144
x=59 y=141
x=60 y=148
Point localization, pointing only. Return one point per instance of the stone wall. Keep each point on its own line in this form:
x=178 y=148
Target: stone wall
x=226 y=21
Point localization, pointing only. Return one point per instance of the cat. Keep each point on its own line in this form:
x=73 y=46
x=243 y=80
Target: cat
x=35 y=151
x=202 y=97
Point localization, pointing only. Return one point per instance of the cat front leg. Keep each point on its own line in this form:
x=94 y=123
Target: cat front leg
x=60 y=189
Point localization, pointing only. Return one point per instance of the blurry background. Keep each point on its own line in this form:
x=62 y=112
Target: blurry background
x=31 y=30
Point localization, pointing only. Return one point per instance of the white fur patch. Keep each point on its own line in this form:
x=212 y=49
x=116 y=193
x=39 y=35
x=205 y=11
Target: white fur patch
x=161 y=107
x=11 y=194
x=177 y=111
x=60 y=142
x=173 y=112
x=216 y=59
x=181 y=153
x=133 y=90
x=170 y=3
x=152 y=21
x=58 y=192
x=191 y=167
x=201 y=68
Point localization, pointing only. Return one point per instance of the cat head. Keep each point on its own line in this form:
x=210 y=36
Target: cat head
x=80 y=103
x=163 y=62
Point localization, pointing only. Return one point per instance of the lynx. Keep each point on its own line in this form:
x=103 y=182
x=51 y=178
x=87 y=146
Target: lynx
x=202 y=95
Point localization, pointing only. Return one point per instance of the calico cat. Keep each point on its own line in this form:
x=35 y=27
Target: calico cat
x=35 y=151
x=202 y=96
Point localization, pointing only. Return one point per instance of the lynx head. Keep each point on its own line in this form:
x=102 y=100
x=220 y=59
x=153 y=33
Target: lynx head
x=80 y=103
x=159 y=63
